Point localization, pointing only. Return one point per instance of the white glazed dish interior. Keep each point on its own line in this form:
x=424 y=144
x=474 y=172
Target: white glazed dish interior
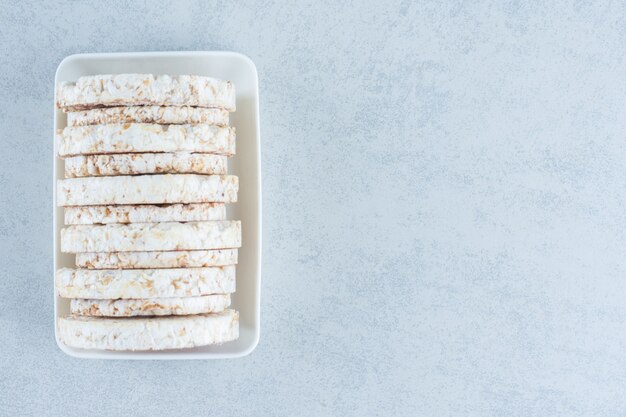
x=246 y=164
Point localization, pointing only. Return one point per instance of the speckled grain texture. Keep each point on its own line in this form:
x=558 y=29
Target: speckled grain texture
x=443 y=210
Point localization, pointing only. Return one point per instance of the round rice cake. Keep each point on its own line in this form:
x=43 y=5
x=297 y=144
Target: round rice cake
x=148 y=333
x=170 y=259
x=144 y=283
x=163 y=115
x=174 y=306
x=144 y=163
x=140 y=237
x=145 y=213
x=147 y=189
x=113 y=90
x=144 y=138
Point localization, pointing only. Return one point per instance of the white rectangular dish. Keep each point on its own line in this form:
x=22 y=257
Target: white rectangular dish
x=246 y=164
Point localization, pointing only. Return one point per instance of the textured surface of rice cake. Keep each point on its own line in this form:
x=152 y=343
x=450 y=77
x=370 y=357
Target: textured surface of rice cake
x=171 y=259
x=108 y=90
x=147 y=189
x=144 y=137
x=148 y=333
x=176 y=306
x=144 y=213
x=144 y=163
x=133 y=237
x=144 y=283
x=149 y=114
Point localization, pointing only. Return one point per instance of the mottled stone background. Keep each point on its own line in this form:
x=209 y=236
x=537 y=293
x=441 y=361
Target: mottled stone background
x=444 y=210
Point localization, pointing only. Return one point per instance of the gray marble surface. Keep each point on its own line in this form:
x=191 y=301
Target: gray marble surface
x=444 y=210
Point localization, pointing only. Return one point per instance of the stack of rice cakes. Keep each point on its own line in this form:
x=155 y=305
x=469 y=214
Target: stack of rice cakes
x=144 y=196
